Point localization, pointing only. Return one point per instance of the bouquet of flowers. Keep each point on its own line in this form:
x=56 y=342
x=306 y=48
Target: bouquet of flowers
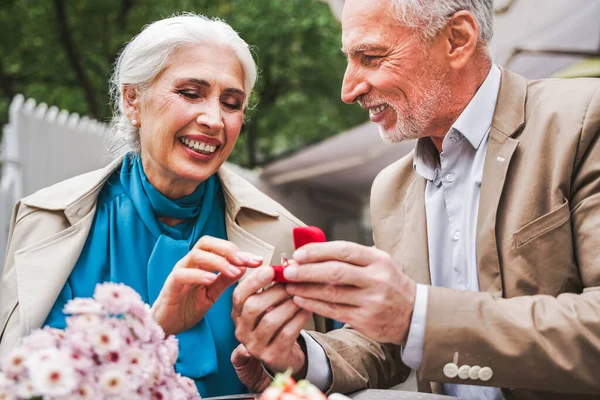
x=111 y=348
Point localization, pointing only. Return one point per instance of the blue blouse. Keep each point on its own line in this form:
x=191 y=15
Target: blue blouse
x=127 y=243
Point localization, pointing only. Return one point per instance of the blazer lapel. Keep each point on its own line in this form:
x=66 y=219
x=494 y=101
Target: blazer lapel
x=413 y=249
x=509 y=117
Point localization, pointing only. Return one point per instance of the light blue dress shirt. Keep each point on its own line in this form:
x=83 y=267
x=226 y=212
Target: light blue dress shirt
x=451 y=208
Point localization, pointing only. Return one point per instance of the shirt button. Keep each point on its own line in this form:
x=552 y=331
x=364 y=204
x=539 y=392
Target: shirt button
x=450 y=177
x=450 y=370
x=485 y=374
x=474 y=372
x=463 y=371
x=456 y=236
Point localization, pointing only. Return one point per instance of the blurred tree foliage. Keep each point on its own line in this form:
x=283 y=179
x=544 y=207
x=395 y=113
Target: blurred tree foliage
x=61 y=52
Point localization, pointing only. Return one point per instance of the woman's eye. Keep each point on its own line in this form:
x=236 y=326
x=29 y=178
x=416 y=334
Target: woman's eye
x=190 y=94
x=233 y=106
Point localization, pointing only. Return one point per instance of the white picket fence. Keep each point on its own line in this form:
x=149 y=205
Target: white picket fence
x=41 y=146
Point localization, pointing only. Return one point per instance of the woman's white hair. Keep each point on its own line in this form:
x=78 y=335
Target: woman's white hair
x=146 y=55
x=429 y=16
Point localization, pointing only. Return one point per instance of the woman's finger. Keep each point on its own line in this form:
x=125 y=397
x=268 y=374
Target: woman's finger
x=199 y=259
x=228 y=250
x=189 y=276
x=216 y=289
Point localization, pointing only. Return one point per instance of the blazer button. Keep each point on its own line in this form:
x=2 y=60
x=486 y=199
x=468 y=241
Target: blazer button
x=485 y=374
x=474 y=372
x=450 y=370
x=463 y=371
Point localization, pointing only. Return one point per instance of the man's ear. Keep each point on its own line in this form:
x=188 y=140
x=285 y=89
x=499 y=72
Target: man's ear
x=462 y=36
x=131 y=102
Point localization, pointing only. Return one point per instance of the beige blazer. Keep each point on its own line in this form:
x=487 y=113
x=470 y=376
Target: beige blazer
x=49 y=229
x=536 y=321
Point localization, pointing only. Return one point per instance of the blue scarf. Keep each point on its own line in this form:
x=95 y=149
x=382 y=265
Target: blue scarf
x=127 y=243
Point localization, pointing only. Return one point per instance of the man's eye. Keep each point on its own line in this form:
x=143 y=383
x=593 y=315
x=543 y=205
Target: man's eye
x=190 y=94
x=369 y=59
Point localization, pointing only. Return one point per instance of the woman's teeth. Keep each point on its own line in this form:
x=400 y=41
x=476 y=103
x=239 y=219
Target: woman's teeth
x=378 y=110
x=199 y=147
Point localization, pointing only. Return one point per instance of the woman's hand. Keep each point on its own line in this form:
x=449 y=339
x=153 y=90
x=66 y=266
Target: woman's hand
x=193 y=286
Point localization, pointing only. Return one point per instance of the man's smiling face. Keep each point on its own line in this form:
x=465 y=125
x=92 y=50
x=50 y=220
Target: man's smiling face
x=391 y=71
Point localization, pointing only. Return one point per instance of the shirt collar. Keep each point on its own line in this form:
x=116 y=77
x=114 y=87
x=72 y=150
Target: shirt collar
x=473 y=123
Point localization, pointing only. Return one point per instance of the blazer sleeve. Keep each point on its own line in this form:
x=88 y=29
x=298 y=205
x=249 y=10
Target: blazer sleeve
x=534 y=342
x=358 y=362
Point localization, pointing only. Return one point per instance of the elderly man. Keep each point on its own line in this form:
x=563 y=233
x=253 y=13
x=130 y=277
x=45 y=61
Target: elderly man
x=486 y=273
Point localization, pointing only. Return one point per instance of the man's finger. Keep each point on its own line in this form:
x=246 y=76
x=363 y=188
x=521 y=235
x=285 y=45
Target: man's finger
x=335 y=272
x=337 y=312
x=347 y=252
x=259 y=304
x=289 y=333
x=337 y=294
x=274 y=320
x=251 y=284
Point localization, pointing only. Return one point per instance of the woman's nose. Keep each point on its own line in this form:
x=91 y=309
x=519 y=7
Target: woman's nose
x=211 y=117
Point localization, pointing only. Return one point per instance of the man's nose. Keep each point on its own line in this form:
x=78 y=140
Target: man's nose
x=353 y=86
x=211 y=116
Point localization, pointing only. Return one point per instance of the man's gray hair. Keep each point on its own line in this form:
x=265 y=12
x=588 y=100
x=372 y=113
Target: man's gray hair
x=430 y=16
x=144 y=57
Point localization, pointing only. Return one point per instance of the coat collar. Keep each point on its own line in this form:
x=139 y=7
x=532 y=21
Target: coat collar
x=77 y=196
x=509 y=115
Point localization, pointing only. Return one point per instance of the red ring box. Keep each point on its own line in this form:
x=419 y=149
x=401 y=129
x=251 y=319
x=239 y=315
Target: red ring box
x=302 y=235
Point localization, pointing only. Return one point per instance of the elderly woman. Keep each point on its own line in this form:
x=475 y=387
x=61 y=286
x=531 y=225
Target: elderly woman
x=166 y=218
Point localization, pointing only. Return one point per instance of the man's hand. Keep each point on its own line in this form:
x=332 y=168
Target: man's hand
x=354 y=284
x=249 y=370
x=268 y=323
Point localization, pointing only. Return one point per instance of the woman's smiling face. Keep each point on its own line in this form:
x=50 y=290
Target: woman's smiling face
x=190 y=117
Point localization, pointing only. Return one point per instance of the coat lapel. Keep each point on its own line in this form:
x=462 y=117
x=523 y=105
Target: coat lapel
x=38 y=289
x=509 y=117
x=413 y=249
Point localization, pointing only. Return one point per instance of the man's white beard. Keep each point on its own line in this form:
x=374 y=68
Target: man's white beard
x=413 y=122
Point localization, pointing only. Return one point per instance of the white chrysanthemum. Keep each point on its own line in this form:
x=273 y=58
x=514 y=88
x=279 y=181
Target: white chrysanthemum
x=85 y=391
x=40 y=339
x=83 y=306
x=188 y=385
x=5 y=394
x=14 y=364
x=113 y=382
x=84 y=322
x=105 y=340
x=116 y=298
x=53 y=378
x=139 y=329
x=26 y=390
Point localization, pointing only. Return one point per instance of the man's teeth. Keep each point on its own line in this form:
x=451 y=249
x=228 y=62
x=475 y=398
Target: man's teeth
x=198 y=146
x=378 y=110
